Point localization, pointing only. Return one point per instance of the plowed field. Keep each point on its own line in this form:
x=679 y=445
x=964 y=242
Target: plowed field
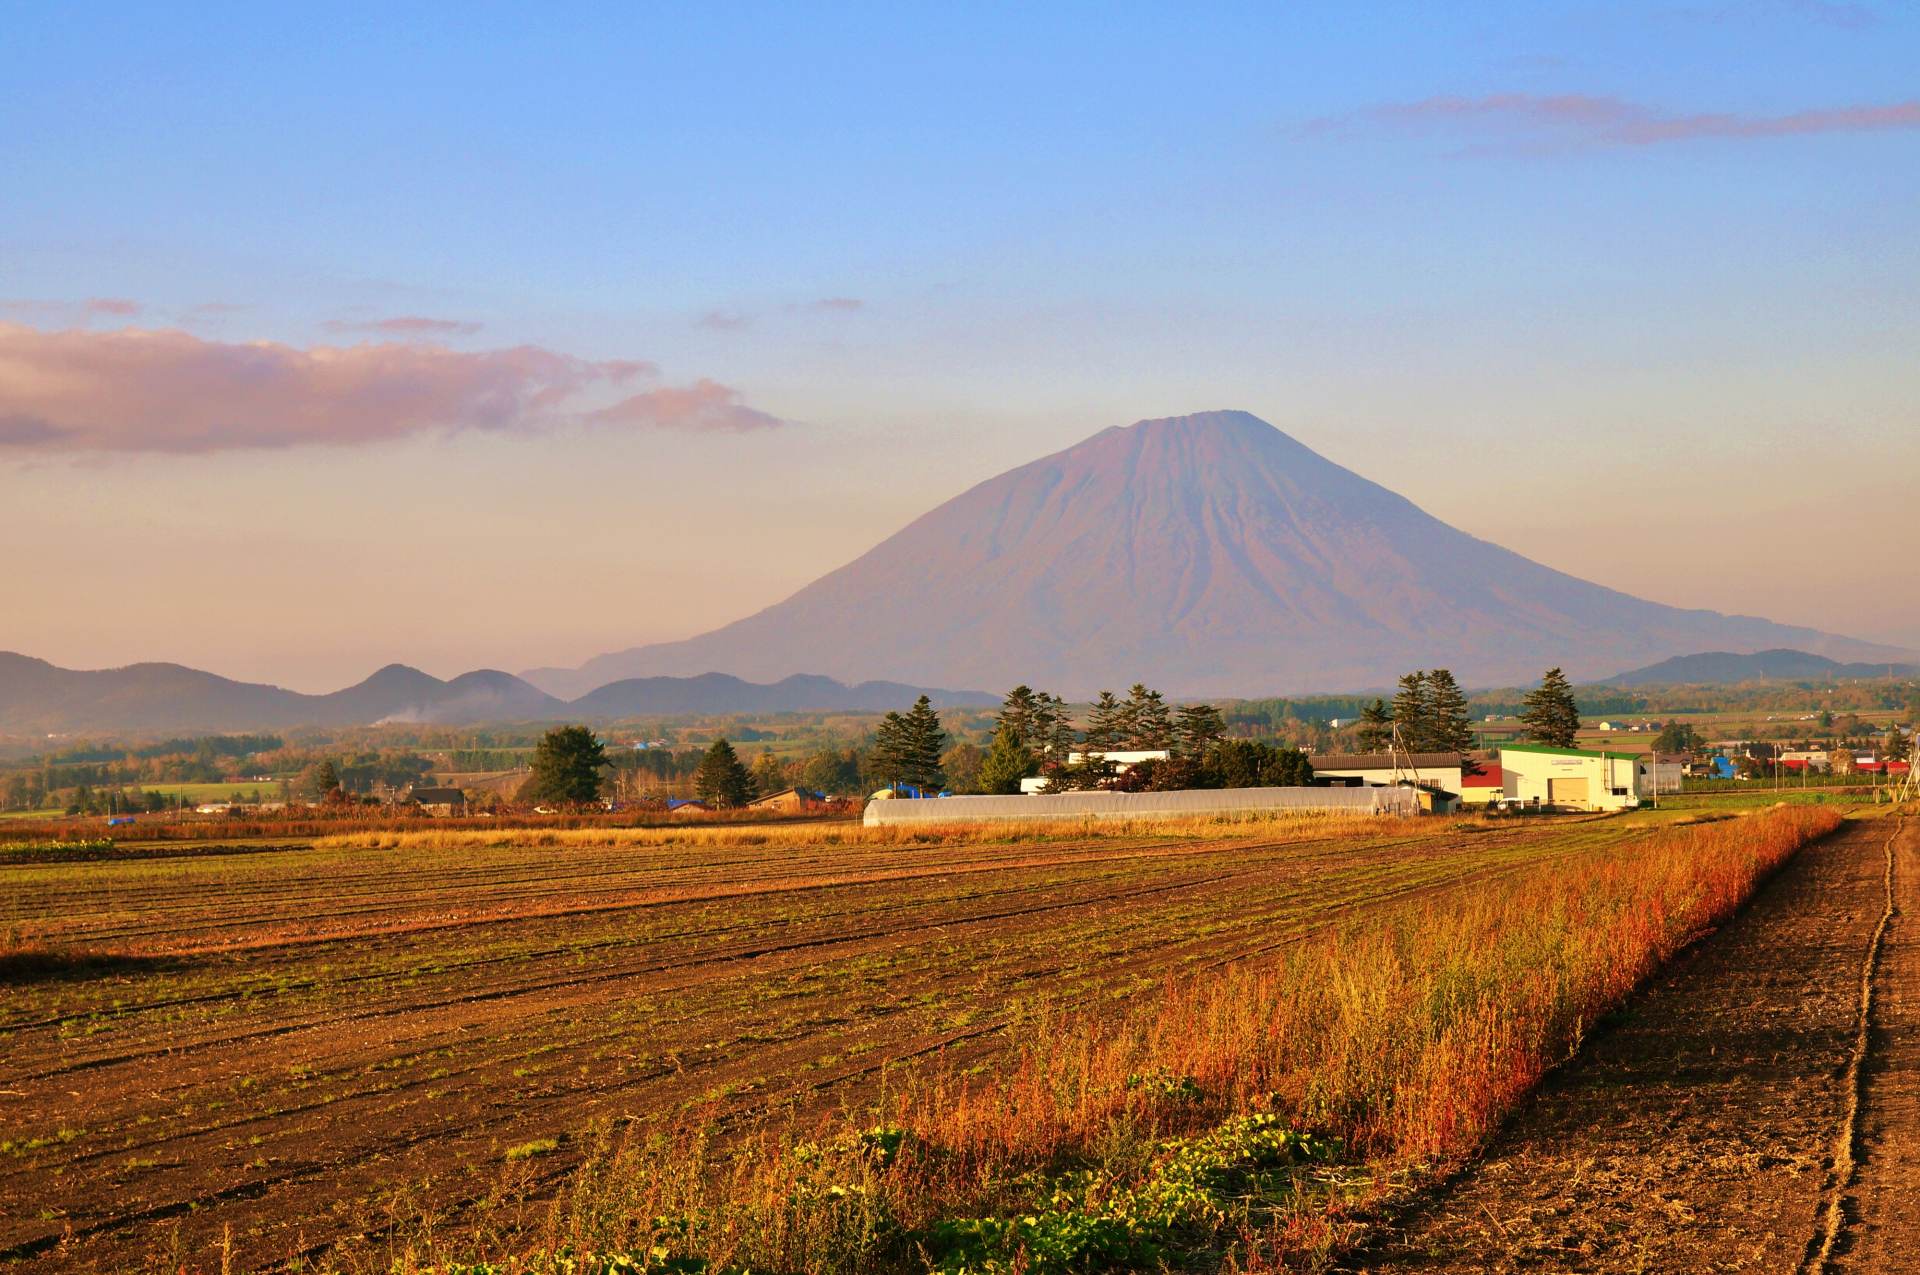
x=297 y=1045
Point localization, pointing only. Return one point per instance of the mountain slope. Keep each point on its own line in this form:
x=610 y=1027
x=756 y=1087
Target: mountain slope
x=37 y=697
x=1208 y=554
x=723 y=693
x=1721 y=668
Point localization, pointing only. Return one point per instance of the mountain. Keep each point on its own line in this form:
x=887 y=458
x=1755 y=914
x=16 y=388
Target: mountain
x=722 y=693
x=1724 y=668
x=37 y=697
x=1207 y=555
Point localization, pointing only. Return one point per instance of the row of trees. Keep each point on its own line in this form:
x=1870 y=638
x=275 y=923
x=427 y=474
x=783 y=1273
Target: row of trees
x=1430 y=710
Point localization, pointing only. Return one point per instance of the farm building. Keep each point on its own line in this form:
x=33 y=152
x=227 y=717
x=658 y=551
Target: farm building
x=1428 y=770
x=679 y=806
x=1571 y=778
x=437 y=801
x=789 y=801
x=1482 y=788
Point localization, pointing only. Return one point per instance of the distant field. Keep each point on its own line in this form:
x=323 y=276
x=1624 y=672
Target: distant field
x=269 y=790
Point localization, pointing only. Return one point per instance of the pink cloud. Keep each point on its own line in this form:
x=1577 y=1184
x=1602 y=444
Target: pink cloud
x=135 y=390
x=71 y=311
x=704 y=405
x=1575 y=119
x=724 y=320
x=841 y=304
x=406 y=325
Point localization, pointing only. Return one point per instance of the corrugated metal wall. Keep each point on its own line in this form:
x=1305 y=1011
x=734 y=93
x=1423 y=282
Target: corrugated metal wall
x=1142 y=805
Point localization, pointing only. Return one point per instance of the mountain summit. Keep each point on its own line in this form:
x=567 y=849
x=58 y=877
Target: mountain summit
x=1210 y=555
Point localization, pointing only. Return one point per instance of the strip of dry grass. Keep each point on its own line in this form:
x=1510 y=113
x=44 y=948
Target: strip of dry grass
x=1238 y=1124
x=1291 y=824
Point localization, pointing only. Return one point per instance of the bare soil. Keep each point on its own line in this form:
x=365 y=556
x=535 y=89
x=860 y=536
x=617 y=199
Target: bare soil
x=301 y=1047
x=1698 y=1130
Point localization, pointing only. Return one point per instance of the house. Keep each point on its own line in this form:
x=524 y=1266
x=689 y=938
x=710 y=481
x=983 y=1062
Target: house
x=684 y=806
x=789 y=801
x=1572 y=778
x=1482 y=789
x=1669 y=776
x=1426 y=770
x=437 y=801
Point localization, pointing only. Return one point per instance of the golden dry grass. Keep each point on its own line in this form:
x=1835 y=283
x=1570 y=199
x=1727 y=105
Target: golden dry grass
x=1289 y=824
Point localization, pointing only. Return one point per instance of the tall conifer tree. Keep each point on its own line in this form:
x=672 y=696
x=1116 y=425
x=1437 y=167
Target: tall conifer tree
x=1550 y=714
x=1413 y=712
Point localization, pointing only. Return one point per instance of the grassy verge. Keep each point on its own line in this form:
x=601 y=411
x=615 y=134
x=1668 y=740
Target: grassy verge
x=1242 y=1122
x=1289 y=823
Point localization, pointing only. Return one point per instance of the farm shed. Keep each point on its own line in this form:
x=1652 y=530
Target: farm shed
x=1429 y=770
x=789 y=801
x=438 y=801
x=1571 y=778
x=1195 y=802
x=1482 y=788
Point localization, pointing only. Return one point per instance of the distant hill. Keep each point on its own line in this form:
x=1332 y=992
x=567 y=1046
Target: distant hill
x=37 y=698
x=1206 y=555
x=1725 y=668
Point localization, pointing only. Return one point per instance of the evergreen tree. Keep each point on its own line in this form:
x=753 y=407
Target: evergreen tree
x=721 y=780
x=1550 y=714
x=921 y=742
x=1376 y=727
x=566 y=768
x=1451 y=729
x=1897 y=745
x=1413 y=712
x=1196 y=728
x=1105 y=722
x=1020 y=712
x=1053 y=734
x=1147 y=722
x=1007 y=762
x=887 y=759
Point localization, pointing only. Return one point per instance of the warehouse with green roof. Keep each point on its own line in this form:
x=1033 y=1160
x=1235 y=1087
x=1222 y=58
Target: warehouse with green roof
x=1572 y=778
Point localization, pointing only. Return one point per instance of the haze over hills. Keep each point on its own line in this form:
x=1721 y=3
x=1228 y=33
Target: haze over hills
x=1721 y=668
x=37 y=697
x=1207 y=555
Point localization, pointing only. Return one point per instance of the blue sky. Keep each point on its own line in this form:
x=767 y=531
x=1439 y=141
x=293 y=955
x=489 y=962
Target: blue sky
x=1595 y=281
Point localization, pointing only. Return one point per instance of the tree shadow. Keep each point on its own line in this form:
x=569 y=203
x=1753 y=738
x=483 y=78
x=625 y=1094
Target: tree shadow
x=20 y=966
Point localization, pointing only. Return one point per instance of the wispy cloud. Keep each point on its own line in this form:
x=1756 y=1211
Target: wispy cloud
x=729 y=320
x=138 y=390
x=70 y=311
x=405 y=325
x=1531 y=120
x=703 y=406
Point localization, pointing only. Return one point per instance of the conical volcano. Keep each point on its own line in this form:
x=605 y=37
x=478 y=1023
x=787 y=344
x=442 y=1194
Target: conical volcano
x=1209 y=555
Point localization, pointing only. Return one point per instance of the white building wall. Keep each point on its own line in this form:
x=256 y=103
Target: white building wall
x=1583 y=781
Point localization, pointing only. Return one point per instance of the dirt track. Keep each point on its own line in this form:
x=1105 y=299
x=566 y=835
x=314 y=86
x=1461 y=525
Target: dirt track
x=1697 y=1131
